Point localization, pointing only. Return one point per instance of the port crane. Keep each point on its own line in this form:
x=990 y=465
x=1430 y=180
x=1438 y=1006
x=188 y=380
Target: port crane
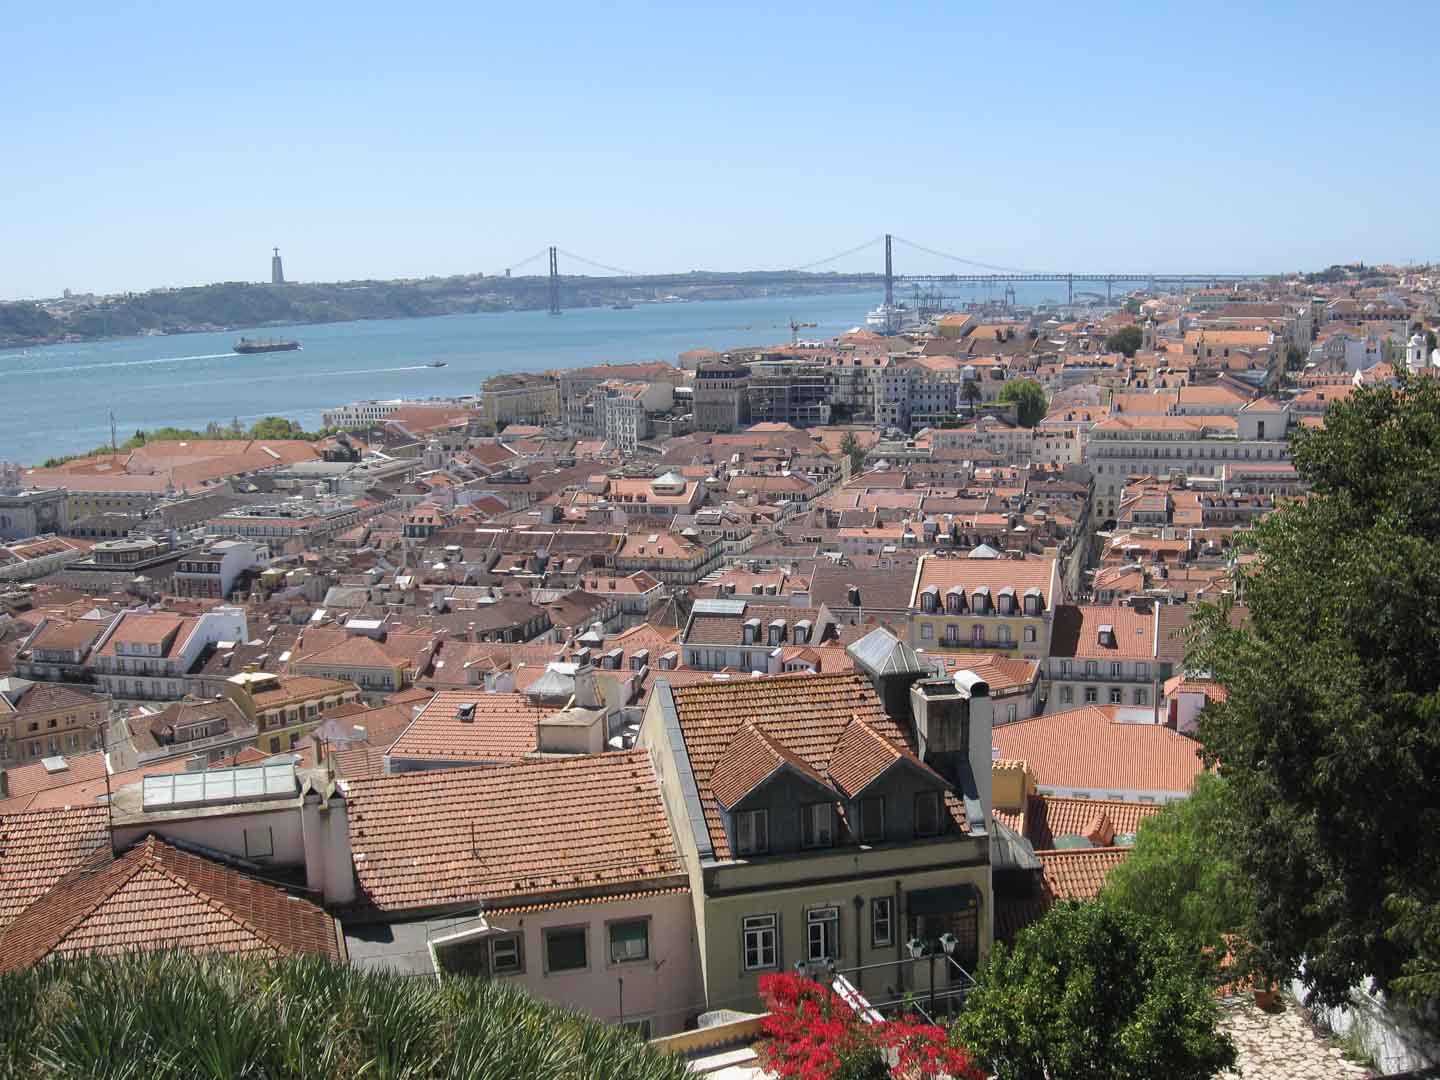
x=796 y=327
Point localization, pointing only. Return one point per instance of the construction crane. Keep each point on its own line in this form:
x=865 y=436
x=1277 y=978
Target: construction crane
x=796 y=327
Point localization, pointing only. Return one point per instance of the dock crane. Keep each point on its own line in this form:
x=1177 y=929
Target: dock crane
x=796 y=327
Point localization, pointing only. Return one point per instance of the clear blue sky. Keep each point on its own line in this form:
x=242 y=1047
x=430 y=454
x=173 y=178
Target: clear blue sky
x=166 y=144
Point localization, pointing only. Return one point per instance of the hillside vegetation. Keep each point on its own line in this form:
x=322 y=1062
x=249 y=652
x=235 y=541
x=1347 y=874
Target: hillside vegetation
x=165 y=1016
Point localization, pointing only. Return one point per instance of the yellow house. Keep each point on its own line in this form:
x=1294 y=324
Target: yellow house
x=285 y=707
x=831 y=821
x=985 y=601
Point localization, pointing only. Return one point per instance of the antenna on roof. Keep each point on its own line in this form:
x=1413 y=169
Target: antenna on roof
x=113 y=448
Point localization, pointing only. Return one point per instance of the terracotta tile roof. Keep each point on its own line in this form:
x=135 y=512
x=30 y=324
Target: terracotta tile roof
x=503 y=728
x=1086 y=748
x=68 y=635
x=1048 y=817
x=807 y=714
x=43 y=697
x=750 y=759
x=148 y=630
x=863 y=755
x=581 y=901
x=38 y=849
x=359 y=762
x=435 y=839
x=1079 y=874
x=1076 y=632
x=156 y=896
x=1182 y=684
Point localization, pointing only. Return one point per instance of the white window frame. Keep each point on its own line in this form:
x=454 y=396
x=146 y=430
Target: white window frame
x=882 y=913
x=822 y=928
x=511 y=943
x=764 y=932
x=817 y=825
x=750 y=840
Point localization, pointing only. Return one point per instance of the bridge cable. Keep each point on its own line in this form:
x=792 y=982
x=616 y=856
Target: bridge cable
x=833 y=258
x=598 y=265
x=526 y=261
x=961 y=259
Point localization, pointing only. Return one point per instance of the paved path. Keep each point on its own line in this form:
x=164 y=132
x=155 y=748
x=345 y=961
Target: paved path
x=1281 y=1045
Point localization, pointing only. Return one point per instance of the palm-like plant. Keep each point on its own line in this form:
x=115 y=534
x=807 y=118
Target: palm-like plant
x=169 y=1015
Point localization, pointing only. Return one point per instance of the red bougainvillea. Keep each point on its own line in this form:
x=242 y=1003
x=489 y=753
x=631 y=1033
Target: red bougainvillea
x=811 y=1034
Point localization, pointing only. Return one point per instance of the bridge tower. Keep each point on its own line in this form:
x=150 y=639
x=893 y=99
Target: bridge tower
x=889 y=275
x=1069 y=289
x=554 y=283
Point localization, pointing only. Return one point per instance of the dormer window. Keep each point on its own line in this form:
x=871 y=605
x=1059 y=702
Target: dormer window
x=817 y=825
x=752 y=832
x=955 y=601
x=1107 y=635
x=930 y=600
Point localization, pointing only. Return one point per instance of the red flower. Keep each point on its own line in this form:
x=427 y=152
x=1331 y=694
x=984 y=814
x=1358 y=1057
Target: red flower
x=810 y=1032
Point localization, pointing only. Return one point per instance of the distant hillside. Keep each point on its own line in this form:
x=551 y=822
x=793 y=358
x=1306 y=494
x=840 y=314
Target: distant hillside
x=232 y=305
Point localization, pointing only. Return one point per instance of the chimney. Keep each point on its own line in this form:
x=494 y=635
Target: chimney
x=852 y=595
x=325 y=831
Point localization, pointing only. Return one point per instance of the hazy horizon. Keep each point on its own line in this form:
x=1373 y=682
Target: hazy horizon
x=150 y=150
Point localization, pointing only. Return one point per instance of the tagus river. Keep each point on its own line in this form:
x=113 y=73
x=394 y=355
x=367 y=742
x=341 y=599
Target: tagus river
x=57 y=398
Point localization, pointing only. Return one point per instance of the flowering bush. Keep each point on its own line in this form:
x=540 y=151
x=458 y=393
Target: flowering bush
x=811 y=1034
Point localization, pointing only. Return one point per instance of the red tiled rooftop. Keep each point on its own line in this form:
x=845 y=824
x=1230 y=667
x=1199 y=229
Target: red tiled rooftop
x=503 y=727
x=156 y=896
x=436 y=839
x=1086 y=748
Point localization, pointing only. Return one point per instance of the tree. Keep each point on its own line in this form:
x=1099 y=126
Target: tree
x=1094 y=992
x=1295 y=357
x=1127 y=340
x=1329 y=736
x=275 y=427
x=851 y=448
x=1029 y=398
x=971 y=392
x=1431 y=342
x=1182 y=873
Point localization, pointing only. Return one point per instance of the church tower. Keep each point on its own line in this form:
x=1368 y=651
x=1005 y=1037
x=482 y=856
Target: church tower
x=277 y=269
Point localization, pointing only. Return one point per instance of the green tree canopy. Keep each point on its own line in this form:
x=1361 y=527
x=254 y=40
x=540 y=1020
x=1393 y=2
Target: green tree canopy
x=851 y=448
x=1330 y=734
x=1028 y=396
x=1127 y=340
x=1094 y=992
x=1182 y=873
x=971 y=392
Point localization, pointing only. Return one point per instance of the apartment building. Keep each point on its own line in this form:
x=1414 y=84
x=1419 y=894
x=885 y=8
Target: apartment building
x=1108 y=655
x=736 y=634
x=283 y=708
x=1130 y=445
x=503 y=873
x=148 y=655
x=816 y=830
x=519 y=398
x=985 y=602
x=721 y=400
x=46 y=720
x=211 y=573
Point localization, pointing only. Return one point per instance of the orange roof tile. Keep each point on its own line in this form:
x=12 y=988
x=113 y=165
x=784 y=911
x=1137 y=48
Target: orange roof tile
x=1087 y=748
x=752 y=758
x=502 y=728
x=38 y=849
x=156 y=896
x=807 y=714
x=430 y=840
x=1080 y=873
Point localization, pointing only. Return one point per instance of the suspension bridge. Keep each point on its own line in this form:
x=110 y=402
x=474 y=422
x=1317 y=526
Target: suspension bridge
x=976 y=273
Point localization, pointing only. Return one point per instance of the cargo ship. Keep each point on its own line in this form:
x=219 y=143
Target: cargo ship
x=245 y=346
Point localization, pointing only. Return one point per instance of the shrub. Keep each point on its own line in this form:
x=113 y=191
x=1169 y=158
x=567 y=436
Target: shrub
x=167 y=1016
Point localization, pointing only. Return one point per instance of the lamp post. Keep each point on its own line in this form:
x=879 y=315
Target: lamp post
x=916 y=947
x=948 y=941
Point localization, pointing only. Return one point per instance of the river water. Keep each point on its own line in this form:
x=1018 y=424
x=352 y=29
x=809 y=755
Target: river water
x=57 y=398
